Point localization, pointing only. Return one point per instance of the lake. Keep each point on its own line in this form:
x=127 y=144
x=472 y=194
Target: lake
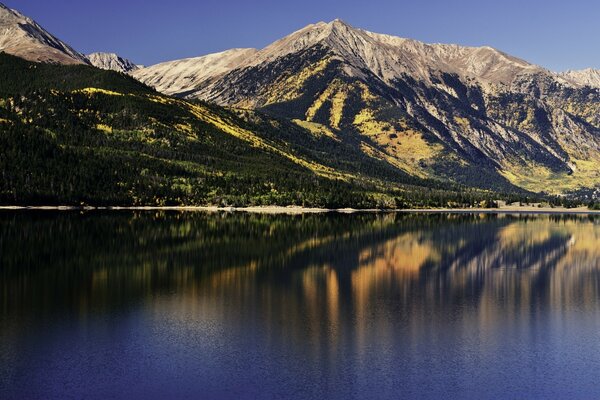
x=149 y=305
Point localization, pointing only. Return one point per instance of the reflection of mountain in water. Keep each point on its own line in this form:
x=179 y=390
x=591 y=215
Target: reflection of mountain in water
x=401 y=305
x=347 y=294
x=105 y=260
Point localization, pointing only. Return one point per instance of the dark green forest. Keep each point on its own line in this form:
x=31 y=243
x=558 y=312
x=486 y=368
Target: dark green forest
x=78 y=135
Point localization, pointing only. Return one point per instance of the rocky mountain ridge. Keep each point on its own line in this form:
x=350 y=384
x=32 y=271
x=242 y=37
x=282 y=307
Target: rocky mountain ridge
x=21 y=36
x=112 y=61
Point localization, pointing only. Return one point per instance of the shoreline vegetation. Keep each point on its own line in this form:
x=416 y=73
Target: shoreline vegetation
x=507 y=209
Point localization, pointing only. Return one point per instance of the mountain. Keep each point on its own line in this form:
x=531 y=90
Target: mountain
x=77 y=134
x=176 y=77
x=23 y=37
x=111 y=61
x=472 y=115
x=585 y=77
x=330 y=116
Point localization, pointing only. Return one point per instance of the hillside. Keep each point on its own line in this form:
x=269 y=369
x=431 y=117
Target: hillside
x=81 y=135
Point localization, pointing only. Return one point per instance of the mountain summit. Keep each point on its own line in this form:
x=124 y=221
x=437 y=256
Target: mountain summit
x=111 y=61
x=384 y=56
x=21 y=36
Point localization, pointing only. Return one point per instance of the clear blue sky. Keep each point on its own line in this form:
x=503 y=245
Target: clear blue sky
x=556 y=34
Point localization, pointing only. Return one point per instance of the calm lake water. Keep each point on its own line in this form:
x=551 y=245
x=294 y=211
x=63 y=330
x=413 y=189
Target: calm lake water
x=234 y=306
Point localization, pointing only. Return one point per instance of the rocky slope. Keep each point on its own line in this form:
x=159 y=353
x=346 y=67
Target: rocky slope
x=585 y=77
x=112 y=62
x=177 y=77
x=472 y=115
x=21 y=36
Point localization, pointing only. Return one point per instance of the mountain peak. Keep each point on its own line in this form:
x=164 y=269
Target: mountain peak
x=339 y=22
x=111 y=61
x=585 y=77
x=23 y=37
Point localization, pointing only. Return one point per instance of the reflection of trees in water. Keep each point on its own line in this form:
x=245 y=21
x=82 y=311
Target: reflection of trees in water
x=359 y=282
x=107 y=259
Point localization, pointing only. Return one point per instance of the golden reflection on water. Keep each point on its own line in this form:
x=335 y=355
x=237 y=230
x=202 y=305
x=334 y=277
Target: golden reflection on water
x=394 y=295
x=310 y=274
x=518 y=266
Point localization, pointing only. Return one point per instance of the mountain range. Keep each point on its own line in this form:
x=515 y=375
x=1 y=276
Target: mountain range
x=428 y=108
x=382 y=109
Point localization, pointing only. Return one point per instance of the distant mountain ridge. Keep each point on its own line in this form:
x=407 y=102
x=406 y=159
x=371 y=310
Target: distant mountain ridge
x=585 y=77
x=112 y=61
x=177 y=77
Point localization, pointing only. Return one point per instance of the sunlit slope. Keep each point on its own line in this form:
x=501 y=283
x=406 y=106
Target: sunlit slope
x=475 y=116
x=541 y=145
x=77 y=134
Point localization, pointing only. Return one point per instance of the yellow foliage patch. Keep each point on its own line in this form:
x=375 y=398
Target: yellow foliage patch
x=161 y=99
x=90 y=91
x=462 y=122
x=315 y=128
x=366 y=94
x=104 y=128
x=337 y=108
x=186 y=128
x=539 y=178
x=405 y=150
x=228 y=127
x=290 y=87
x=337 y=94
x=368 y=125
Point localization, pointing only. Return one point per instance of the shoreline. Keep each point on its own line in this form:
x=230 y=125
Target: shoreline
x=308 y=210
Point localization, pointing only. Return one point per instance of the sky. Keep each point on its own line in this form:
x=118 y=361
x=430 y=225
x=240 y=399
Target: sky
x=558 y=35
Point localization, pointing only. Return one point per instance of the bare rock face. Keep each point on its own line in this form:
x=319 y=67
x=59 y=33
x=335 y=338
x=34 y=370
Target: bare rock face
x=585 y=77
x=23 y=37
x=112 y=61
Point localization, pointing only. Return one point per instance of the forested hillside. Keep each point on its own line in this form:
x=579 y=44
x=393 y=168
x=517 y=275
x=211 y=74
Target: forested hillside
x=80 y=135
